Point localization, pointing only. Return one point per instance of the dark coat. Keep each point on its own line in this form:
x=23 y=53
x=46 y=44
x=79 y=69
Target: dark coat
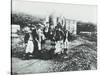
x=26 y=37
x=35 y=35
x=59 y=35
x=35 y=38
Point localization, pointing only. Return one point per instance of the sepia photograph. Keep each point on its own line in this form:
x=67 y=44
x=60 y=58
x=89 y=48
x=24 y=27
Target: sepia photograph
x=52 y=37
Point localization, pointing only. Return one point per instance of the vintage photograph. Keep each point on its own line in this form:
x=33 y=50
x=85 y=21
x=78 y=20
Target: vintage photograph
x=52 y=37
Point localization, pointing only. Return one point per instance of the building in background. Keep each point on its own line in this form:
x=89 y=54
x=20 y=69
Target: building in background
x=69 y=24
x=15 y=29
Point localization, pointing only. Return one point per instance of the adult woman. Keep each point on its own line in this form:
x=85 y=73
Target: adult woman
x=59 y=37
x=28 y=39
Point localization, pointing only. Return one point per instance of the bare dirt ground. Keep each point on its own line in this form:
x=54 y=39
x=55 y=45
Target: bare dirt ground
x=82 y=55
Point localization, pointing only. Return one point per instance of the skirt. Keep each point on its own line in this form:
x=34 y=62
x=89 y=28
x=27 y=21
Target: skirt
x=30 y=47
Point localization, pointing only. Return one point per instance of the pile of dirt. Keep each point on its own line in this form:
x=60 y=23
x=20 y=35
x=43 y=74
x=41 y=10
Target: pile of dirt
x=81 y=57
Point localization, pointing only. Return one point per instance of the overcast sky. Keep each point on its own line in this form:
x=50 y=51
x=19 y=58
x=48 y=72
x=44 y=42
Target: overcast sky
x=86 y=13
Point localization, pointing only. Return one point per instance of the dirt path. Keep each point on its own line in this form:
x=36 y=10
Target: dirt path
x=31 y=66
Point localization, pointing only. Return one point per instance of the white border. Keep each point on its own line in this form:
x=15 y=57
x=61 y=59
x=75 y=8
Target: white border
x=5 y=35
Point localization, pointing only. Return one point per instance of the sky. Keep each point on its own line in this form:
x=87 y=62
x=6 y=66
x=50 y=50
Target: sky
x=85 y=13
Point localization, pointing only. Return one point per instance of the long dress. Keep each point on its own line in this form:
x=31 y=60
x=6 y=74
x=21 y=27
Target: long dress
x=30 y=45
x=59 y=42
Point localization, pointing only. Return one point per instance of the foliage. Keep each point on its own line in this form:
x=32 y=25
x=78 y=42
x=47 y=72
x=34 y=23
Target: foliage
x=24 y=19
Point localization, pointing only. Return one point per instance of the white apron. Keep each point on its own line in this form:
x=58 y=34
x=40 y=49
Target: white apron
x=59 y=47
x=30 y=45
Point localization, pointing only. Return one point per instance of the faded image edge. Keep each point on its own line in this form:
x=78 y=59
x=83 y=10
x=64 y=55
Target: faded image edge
x=51 y=37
